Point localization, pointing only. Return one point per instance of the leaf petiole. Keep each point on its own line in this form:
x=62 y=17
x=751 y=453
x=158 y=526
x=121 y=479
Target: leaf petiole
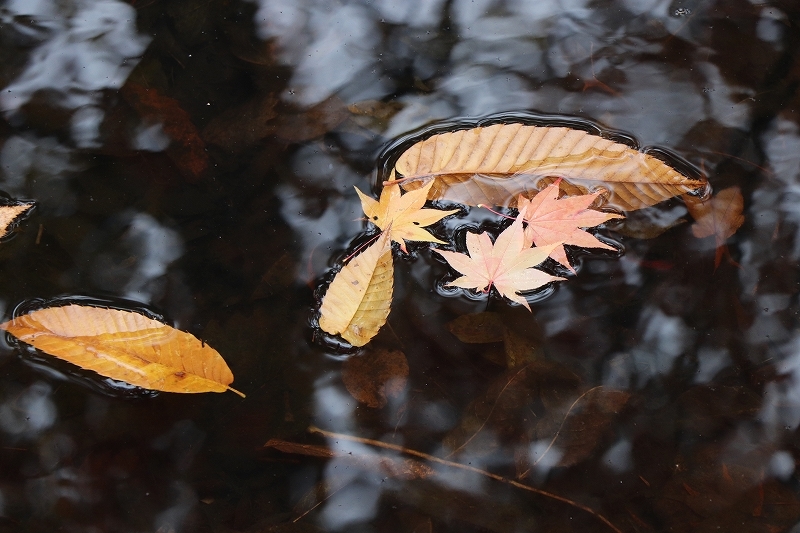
x=498 y=213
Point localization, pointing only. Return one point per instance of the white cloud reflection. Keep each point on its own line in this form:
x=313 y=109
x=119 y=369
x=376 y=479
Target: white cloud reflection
x=86 y=46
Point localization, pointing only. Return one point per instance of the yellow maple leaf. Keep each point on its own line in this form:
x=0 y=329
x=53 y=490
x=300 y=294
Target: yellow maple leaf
x=402 y=215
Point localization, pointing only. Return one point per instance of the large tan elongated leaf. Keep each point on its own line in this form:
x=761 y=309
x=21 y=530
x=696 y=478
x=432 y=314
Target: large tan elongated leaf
x=125 y=346
x=493 y=164
x=360 y=296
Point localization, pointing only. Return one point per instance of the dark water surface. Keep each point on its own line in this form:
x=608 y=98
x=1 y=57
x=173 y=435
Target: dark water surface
x=198 y=158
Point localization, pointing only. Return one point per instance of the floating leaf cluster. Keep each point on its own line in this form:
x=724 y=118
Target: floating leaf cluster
x=492 y=166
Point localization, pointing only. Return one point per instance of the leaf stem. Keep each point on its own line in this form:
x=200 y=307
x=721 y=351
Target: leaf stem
x=400 y=180
x=236 y=391
x=361 y=247
x=496 y=212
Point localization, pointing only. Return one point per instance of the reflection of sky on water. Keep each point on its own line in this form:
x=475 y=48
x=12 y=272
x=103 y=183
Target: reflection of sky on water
x=86 y=46
x=34 y=167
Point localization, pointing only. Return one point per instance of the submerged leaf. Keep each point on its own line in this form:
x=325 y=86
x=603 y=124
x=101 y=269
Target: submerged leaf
x=584 y=425
x=187 y=149
x=373 y=377
x=360 y=295
x=125 y=346
x=478 y=328
x=493 y=164
x=506 y=264
x=552 y=221
x=720 y=217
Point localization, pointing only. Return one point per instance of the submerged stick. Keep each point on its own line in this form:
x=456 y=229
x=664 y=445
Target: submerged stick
x=452 y=464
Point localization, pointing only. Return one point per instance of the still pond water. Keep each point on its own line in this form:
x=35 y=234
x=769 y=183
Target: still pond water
x=198 y=158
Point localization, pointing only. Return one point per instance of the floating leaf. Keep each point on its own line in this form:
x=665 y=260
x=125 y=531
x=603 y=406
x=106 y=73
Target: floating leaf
x=9 y=213
x=554 y=221
x=402 y=215
x=493 y=164
x=373 y=377
x=359 y=297
x=125 y=346
x=506 y=264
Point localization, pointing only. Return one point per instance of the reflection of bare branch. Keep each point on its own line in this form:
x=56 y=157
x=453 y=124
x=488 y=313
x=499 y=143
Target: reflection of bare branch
x=445 y=462
x=491 y=411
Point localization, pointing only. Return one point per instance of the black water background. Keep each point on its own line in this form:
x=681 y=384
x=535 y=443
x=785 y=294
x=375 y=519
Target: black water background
x=235 y=253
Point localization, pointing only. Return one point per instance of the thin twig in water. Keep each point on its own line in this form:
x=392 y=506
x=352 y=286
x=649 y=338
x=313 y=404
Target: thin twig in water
x=491 y=411
x=571 y=407
x=323 y=500
x=445 y=462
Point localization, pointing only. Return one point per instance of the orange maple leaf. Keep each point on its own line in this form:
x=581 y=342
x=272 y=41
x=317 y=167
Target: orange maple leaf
x=402 y=215
x=552 y=221
x=506 y=264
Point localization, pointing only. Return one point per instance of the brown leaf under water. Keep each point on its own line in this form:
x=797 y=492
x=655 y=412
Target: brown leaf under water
x=493 y=164
x=374 y=376
x=359 y=298
x=310 y=123
x=240 y=127
x=511 y=406
x=187 y=151
x=10 y=213
x=477 y=328
x=720 y=217
x=584 y=425
x=714 y=493
x=125 y=346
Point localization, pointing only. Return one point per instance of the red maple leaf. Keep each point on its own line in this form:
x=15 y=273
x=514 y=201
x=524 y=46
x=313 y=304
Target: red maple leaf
x=552 y=221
